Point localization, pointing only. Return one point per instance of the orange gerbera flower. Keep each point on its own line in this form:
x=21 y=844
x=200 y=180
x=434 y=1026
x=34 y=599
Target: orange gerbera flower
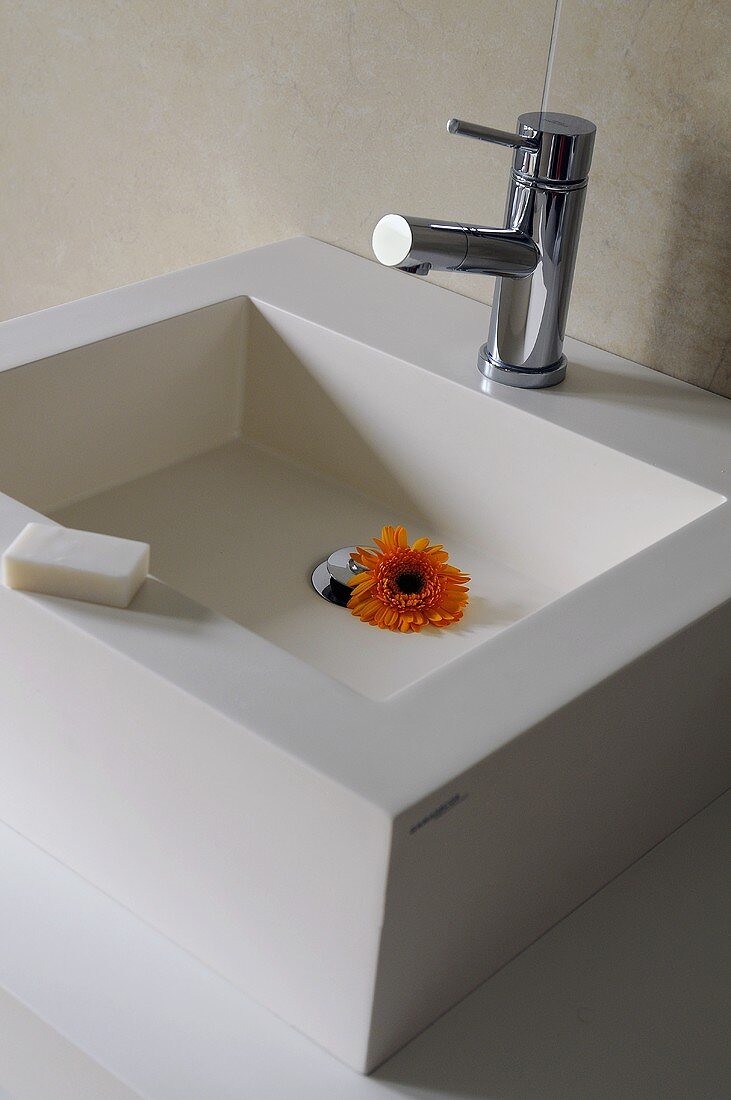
x=406 y=587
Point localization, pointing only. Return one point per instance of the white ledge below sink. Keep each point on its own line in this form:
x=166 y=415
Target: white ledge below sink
x=355 y=827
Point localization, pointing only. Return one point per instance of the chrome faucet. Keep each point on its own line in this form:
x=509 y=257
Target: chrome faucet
x=533 y=256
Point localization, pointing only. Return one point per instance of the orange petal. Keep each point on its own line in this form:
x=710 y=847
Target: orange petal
x=367 y=557
x=361 y=584
x=372 y=607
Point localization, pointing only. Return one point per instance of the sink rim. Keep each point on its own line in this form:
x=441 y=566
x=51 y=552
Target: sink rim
x=633 y=607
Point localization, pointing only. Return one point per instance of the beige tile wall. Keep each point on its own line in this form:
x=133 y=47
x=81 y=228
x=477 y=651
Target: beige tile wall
x=652 y=276
x=142 y=137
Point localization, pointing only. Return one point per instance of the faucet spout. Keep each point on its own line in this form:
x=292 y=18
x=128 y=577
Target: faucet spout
x=420 y=244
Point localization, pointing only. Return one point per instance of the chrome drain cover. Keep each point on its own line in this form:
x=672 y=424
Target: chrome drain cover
x=330 y=577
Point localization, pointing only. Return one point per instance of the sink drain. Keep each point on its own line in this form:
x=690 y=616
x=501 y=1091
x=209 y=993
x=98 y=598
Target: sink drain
x=330 y=578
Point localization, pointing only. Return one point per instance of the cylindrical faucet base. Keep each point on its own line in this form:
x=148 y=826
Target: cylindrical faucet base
x=524 y=378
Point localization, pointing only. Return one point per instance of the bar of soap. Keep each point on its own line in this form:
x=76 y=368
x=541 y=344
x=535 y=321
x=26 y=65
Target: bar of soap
x=79 y=565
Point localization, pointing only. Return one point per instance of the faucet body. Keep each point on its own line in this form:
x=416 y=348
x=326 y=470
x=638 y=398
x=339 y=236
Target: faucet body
x=533 y=256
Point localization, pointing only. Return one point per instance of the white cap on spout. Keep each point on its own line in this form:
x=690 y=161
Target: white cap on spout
x=392 y=240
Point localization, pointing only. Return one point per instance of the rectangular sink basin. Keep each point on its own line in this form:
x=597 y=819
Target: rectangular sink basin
x=355 y=826
x=266 y=441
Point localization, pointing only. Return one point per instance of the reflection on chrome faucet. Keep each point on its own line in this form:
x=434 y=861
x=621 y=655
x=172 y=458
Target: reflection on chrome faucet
x=533 y=257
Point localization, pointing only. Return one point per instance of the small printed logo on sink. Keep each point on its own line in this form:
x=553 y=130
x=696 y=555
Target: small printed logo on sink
x=438 y=812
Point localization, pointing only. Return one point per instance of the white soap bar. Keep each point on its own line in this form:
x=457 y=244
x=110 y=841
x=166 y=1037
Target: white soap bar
x=77 y=564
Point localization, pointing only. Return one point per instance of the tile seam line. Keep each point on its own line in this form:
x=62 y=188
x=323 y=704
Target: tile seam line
x=555 y=27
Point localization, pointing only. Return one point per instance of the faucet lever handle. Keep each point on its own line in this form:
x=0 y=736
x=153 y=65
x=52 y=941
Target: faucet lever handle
x=489 y=133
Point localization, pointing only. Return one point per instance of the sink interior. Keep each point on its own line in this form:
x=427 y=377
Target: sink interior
x=239 y=529
x=245 y=444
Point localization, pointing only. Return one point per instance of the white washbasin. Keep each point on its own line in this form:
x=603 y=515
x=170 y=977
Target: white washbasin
x=242 y=763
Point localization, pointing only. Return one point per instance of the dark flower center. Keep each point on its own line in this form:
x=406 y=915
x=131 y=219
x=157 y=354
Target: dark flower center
x=409 y=583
